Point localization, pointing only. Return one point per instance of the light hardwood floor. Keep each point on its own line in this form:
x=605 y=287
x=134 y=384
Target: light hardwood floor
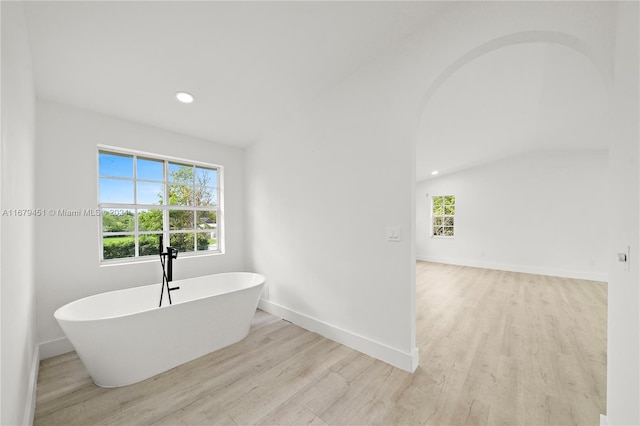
x=495 y=348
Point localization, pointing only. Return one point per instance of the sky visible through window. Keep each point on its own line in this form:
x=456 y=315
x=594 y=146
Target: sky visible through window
x=149 y=178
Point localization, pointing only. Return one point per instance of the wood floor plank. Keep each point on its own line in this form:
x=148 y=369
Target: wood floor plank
x=496 y=348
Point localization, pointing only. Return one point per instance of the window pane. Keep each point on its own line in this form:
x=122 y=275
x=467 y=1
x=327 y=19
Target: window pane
x=116 y=191
x=143 y=187
x=150 y=220
x=115 y=165
x=181 y=220
x=443 y=215
x=117 y=220
x=206 y=196
x=149 y=245
x=150 y=193
x=206 y=177
x=184 y=242
x=180 y=173
x=207 y=241
x=118 y=247
x=206 y=220
x=149 y=169
x=180 y=195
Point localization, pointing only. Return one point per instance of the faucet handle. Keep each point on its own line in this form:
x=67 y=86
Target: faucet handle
x=173 y=251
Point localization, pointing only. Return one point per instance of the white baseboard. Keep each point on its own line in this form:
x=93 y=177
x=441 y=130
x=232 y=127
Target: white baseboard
x=603 y=420
x=591 y=276
x=395 y=357
x=55 y=347
x=30 y=404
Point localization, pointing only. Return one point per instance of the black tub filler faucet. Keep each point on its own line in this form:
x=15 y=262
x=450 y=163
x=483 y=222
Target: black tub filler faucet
x=166 y=259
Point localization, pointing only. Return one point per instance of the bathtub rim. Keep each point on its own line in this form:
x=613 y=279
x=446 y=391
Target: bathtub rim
x=60 y=317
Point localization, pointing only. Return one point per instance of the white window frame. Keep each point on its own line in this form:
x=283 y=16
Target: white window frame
x=165 y=207
x=443 y=216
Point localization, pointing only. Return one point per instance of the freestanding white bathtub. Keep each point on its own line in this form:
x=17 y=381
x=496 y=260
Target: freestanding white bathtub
x=123 y=337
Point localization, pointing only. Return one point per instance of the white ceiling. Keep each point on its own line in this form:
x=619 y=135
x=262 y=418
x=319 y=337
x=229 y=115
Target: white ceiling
x=249 y=64
x=514 y=100
x=252 y=64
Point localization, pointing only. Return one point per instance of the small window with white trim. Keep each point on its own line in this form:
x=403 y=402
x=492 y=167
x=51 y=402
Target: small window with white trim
x=442 y=215
x=144 y=196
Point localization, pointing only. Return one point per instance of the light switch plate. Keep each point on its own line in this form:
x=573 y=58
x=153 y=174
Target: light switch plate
x=393 y=233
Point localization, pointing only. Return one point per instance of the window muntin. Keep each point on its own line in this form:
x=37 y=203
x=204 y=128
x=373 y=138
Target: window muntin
x=142 y=197
x=442 y=215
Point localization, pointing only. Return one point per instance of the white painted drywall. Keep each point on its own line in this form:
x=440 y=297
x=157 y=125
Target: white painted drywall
x=325 y=185
x=510 y=101
x=542 y=212
x=67 y=253
x=321 y=192
x=19 y=341
x=623 y=342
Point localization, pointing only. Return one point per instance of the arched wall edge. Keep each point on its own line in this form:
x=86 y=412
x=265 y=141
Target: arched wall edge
x=524 y=37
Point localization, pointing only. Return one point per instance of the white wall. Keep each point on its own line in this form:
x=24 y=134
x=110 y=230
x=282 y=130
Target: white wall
x=623 y=342
x=541 y=213
x=320 y=195
x=67 y=254
x=325 y=185
x=19 y=343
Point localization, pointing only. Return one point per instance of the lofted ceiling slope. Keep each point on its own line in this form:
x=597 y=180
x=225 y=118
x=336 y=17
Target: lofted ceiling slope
x=252 y=64
x=517 y=99
x=249 y=64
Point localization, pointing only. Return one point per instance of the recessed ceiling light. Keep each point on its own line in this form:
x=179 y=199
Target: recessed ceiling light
x=185 y=97
x=435 y=172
